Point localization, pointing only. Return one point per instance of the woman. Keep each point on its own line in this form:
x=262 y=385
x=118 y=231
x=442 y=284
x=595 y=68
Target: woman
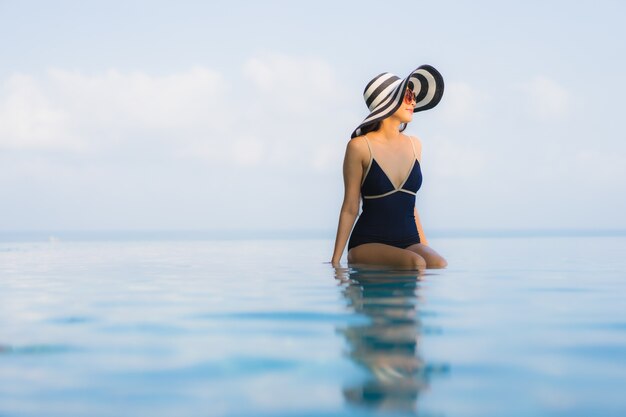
x=382 y=166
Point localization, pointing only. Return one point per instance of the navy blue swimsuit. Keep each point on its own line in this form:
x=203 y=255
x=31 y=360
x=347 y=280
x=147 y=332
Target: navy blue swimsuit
x=388 y=212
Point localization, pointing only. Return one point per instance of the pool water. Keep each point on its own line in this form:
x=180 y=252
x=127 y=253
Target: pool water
x=513 y=326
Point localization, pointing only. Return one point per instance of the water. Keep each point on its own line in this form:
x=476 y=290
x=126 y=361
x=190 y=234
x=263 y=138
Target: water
x=167 y=327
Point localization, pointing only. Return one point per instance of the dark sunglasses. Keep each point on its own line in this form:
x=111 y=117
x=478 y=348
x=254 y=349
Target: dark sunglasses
x=410 y=96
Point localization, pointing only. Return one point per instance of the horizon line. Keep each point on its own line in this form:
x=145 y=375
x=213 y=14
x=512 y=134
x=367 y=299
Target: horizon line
x=239 y=234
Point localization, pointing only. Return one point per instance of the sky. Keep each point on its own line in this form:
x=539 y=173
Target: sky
x=193 y=115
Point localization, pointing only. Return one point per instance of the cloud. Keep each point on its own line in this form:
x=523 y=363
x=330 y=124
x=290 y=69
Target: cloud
x=301 y=110
x=30 y=120
x=285 y=112
x=248 y=151
x=299 y=83
x=137 y=99
x=73 y=111
x=268 y=111
x=546 y=98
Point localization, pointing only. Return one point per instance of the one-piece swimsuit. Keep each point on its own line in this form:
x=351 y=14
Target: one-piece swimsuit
x=387 y=215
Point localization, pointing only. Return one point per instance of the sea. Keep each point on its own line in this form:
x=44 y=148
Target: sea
x=520 y=323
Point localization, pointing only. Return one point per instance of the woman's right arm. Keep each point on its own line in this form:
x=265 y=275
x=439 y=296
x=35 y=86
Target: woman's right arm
x=352 y=174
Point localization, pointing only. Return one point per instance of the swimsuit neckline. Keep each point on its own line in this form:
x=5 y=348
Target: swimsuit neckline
x=373 y=159
x=387 y=176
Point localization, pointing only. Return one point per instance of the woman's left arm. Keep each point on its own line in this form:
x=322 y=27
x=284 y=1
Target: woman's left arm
x=418 y=150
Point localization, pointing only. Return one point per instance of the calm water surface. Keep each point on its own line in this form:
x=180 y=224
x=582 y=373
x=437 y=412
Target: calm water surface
x=513 y=327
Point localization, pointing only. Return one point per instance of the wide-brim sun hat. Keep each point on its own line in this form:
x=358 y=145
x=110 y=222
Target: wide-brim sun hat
x=384 y=94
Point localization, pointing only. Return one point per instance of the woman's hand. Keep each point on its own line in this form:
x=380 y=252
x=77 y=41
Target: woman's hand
x=334 y=262
x=342 y=274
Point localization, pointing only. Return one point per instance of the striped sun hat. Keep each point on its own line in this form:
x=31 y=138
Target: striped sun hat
x=384 y=94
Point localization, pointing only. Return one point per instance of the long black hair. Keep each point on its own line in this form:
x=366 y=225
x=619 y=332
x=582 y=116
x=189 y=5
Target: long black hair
x=375 y=126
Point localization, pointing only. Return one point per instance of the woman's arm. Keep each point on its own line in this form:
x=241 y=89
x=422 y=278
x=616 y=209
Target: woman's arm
x=418 y=223
x=352 y=173
x=423 y=240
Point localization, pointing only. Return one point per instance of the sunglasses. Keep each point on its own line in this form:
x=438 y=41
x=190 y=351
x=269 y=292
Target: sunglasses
x=410 y=96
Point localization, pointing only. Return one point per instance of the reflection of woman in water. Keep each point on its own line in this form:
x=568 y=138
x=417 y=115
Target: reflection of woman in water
x=382 y=165
x=387 y=347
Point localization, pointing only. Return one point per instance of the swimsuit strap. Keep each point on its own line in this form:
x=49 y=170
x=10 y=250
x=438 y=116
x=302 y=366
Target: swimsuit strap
x=413 y=146
x=368 y=146
x=371 y=159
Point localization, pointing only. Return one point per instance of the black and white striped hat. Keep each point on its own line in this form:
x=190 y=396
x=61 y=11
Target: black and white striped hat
x=384 y=94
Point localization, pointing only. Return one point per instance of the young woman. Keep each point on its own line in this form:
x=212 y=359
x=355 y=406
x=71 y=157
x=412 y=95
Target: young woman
x=382 y=166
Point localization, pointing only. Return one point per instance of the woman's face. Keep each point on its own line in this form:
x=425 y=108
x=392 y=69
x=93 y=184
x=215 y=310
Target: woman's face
x=405 y=112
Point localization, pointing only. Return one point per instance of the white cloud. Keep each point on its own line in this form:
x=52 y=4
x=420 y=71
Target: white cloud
x=139 y=99
x=546 y=98
x=282 y=112
x=298 y=82
x=248 y=151
x=288 y=111
x=30 y=120
x=300 y=109
x=69 y=110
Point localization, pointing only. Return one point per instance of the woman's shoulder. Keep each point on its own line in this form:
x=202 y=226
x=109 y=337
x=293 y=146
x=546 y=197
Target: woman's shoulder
x=357 y=147
x=358 y=139
x=416 y=142
x=357 y=143
x=417 y=145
